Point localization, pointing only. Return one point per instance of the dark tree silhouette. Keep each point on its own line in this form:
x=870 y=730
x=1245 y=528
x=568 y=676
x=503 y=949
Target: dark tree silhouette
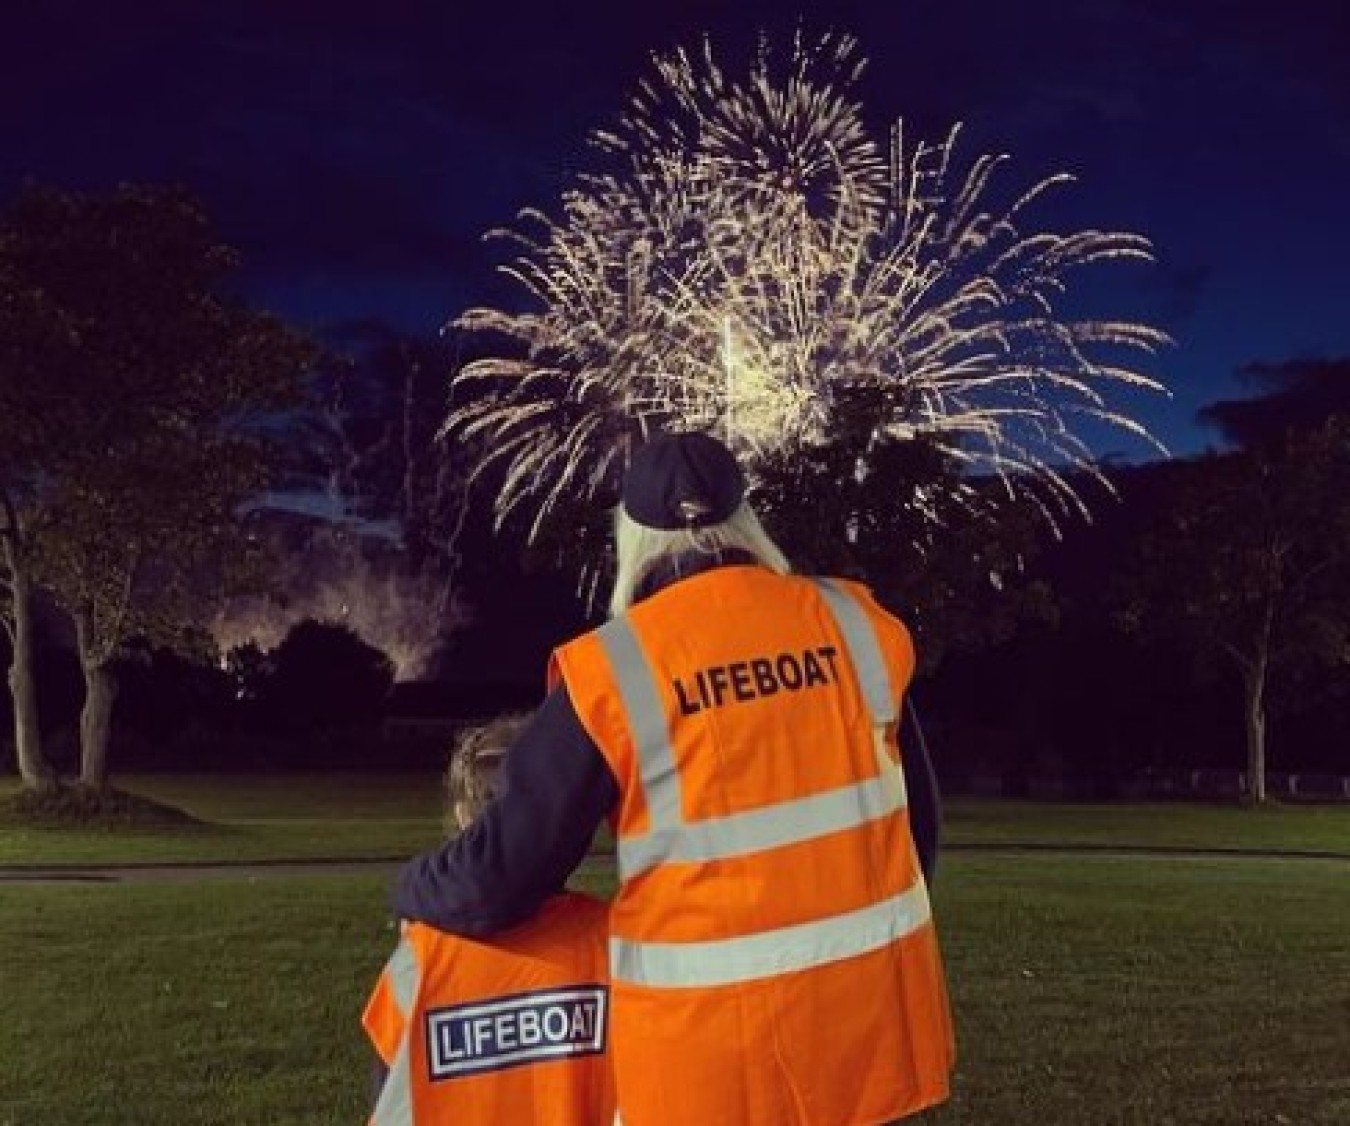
x=1249 y=562
x=138 y=410
x=324 y=677
x=947 y=552
x=1298 y=393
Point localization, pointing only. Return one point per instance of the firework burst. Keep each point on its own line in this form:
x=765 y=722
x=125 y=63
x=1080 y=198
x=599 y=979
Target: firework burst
x=750 y=258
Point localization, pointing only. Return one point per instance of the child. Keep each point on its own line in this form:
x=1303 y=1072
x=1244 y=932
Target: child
x=503 y=1031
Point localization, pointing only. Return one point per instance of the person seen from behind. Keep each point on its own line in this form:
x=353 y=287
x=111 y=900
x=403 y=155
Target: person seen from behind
x=746 y=732
x=512 y=1029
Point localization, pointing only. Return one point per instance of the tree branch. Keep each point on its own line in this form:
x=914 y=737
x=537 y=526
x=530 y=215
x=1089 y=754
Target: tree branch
x=11 y=529
x=121 y=610
x=1316 y=569
x=1245 y=663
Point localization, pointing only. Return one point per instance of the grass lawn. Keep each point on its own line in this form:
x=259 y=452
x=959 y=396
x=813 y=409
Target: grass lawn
x=1089 y=990
x=347 y=815
x=227 y=1003
x=1277 y=828
x=252 y=817
x=1102 y=990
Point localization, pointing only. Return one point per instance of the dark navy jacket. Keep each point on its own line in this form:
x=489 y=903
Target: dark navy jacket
x=555 y=790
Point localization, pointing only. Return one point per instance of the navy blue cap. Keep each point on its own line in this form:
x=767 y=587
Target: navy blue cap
x=678 y=481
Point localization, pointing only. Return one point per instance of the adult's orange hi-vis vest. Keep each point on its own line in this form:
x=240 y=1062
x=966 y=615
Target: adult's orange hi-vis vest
x=511 y=1030
x=772 y=952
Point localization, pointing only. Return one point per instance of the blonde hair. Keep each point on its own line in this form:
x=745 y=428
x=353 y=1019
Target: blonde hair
x=471 y=778
x=639 y=549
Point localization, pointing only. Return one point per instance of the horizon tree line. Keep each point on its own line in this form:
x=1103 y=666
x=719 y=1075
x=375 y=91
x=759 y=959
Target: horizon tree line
x=141 y=409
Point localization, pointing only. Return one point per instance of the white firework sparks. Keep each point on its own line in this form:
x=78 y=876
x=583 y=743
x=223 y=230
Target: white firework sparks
x=754 y=258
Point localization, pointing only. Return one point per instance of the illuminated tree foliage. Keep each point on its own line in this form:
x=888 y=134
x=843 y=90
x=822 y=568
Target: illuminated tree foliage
x=379 y=552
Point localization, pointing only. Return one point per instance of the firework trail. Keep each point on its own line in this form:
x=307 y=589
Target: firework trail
x=750 y=258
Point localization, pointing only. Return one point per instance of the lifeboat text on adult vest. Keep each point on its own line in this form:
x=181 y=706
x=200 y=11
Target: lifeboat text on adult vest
x=742 y=681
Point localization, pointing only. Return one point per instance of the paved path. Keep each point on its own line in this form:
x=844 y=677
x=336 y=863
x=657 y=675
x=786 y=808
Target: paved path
x=179 y=872
x=182 y=872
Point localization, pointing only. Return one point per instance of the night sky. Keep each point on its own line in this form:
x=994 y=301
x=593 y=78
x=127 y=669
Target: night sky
x=356 y=152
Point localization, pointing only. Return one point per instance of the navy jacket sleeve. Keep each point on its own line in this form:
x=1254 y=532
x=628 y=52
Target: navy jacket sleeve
x=379 y=1075
x=556 y=788
x=925 y=814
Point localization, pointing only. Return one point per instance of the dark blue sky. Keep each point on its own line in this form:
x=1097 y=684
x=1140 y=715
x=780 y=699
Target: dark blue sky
x=356 y=152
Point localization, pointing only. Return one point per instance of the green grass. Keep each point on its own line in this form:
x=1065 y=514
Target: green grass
x=250 y=797
x=188 y=1004
x=1101 y=990
x=1278 y=828
x=1090 y=991
x=346 y=815
x=251 y=817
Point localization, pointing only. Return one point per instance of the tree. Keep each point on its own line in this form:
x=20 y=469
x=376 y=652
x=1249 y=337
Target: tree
x=1248 y=563
x=951 y=554
x=385 y=407
x=384 y=557
x=37 y=344
x=18 y=624
x=323 y=676
x=385 y=396
x=948 y=552
x=152 y=411
x=1299 y=393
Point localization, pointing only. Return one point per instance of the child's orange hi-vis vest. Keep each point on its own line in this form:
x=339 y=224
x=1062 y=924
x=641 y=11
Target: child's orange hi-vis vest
x=511 y=1030
x=772 y=953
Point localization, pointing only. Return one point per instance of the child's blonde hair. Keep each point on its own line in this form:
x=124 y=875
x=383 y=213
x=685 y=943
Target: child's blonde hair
x=471 y=778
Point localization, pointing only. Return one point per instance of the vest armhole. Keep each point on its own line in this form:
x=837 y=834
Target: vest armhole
x=891 y=630
x=585 y=650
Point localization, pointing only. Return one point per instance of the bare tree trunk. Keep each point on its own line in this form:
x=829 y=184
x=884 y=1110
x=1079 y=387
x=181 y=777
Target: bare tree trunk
x=1254 y=684
x=34 y=769
x=100 y=692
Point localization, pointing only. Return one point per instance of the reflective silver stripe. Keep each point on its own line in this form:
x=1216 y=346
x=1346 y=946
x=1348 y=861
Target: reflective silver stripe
x=729 y=961
x=394 y=1106
x=860 y=637
x=646 y=721
x=403 y=974
x=771 y=826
